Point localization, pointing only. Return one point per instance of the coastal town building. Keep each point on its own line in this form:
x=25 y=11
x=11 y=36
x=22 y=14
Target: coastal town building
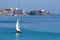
x=6 y=12
x=41 y=13
x=20 y=12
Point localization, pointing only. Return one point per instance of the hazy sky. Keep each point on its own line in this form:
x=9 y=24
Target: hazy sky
x=49 y=5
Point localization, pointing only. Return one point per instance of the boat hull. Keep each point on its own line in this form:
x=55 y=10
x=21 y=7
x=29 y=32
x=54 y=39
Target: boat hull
x=17 y=31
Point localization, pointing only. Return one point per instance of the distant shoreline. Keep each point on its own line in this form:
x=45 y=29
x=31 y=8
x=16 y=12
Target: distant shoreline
x=21 y=12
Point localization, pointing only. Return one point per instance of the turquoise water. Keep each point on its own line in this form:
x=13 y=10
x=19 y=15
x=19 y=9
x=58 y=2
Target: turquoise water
x=32 y=27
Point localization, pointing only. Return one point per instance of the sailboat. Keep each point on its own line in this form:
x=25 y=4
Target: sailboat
x=18 y=27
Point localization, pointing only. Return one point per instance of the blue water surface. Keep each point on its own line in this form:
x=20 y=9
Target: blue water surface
x=32 y=28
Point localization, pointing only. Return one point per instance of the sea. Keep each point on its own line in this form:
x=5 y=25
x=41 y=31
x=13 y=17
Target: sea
x=32 y=28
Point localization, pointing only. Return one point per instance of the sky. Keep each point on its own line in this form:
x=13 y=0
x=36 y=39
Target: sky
x=28 y=5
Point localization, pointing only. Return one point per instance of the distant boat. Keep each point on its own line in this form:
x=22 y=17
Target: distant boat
x=18 y=27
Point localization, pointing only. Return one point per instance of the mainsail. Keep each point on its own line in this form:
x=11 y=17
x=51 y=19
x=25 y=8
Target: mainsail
x=18 y=26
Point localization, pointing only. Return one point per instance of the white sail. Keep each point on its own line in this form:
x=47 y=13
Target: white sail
x=17 y=26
